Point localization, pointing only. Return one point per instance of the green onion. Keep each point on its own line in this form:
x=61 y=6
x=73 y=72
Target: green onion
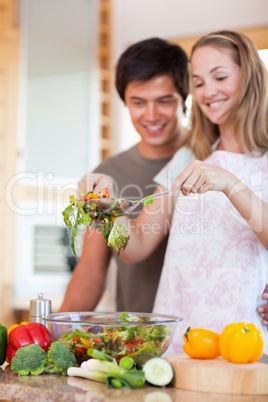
x=135 y=378
x=97 y=354
x=126 y=363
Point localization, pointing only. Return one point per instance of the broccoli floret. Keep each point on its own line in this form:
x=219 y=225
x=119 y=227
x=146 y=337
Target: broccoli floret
x=29 y=359
x=59 y=358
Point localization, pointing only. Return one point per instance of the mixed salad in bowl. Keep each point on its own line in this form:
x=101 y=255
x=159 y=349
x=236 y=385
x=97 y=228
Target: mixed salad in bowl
x=116 y=336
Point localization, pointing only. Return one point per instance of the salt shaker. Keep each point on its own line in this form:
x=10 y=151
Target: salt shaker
x=39 y=308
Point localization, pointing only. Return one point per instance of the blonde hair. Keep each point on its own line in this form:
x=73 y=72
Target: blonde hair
x=249 y=112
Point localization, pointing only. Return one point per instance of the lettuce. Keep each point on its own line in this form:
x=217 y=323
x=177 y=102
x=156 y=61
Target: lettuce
x=148 y=200
x=75 y=216
x=118 y=237
x=78 y=214
x=124 y=316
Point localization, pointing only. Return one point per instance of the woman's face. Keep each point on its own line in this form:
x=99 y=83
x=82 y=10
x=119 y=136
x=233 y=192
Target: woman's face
x=216 y=79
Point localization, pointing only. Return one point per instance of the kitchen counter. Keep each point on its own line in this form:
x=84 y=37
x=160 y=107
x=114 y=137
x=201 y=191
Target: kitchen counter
x=56 y=388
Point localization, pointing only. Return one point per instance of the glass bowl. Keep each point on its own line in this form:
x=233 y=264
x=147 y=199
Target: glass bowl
x=117 y=334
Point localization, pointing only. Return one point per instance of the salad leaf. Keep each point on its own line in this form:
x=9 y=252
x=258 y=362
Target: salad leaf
x=106 y=226
x=148 y=200
x=75 y=216
x=126 y=334
x=79 y=213
x=124 y=317
x=118 y=237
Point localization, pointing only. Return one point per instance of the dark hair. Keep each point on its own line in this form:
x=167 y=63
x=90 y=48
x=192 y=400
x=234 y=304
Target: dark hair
x=150 y=58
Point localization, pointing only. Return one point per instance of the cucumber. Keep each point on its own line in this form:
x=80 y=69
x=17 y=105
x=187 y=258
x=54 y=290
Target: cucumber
x=158 y=371
x=143 y=358
x=3 y=343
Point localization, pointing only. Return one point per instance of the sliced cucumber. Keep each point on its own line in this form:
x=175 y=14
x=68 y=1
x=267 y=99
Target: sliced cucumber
x=143 y=358
x=158 y=371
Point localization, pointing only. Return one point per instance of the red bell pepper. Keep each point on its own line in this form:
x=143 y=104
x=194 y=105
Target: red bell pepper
x=24 y=335
x=97 y=340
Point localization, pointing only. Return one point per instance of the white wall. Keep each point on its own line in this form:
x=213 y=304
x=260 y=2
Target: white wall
x=175 y=18
x=134 y=20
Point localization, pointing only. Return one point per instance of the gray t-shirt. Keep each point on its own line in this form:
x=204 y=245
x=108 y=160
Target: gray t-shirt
x=136 y=283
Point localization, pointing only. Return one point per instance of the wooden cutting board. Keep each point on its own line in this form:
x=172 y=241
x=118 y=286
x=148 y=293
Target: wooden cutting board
x=219 y=376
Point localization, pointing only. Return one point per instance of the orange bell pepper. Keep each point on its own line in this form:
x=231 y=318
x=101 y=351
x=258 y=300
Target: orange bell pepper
x=201 y=343
x=90 y=196
x=241 y=343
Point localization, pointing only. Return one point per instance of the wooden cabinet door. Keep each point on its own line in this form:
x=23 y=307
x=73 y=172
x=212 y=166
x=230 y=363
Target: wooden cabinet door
x=9 y=50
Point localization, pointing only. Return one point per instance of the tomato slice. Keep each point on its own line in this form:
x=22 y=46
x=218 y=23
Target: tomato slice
x=97 y=340
x=104 y=193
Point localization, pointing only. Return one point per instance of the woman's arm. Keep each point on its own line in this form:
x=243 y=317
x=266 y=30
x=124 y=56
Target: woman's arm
x=200 y=177
x=149 y=229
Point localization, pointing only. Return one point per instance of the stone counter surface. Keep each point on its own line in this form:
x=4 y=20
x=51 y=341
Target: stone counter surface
x=48 y=387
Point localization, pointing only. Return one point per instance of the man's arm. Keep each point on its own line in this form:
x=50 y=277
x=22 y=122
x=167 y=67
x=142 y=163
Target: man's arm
x=87 y=282
x=263 y=309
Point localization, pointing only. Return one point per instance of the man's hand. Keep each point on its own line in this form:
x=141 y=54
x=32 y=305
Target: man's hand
x=95 y=182
x=263 y=309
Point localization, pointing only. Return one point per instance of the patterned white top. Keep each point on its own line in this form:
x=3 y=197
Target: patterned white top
x=215 y=269
x=174 y=167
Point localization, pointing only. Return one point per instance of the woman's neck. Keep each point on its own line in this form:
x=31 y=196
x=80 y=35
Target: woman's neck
x=228 y=141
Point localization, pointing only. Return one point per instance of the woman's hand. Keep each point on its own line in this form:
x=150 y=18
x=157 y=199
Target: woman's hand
x=200 y=177
x=263 y=309
x=95 y=182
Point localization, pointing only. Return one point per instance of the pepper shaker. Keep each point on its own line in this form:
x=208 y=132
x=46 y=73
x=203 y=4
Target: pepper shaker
x=39 y=308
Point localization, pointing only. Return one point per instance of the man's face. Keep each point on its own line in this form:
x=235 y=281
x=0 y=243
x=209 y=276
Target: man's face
x=154 y=106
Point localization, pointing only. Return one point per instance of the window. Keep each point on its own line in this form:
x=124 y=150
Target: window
x=58 y=126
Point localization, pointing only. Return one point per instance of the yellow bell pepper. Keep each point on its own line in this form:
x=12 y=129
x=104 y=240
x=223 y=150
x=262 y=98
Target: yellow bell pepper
x=241 y=343
x=86 y=343
x=201 y=343
x=14 y=326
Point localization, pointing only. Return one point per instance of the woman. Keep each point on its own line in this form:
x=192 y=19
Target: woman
x=216 y=263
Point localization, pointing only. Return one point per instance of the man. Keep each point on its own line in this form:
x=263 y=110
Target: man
x=152 y=81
